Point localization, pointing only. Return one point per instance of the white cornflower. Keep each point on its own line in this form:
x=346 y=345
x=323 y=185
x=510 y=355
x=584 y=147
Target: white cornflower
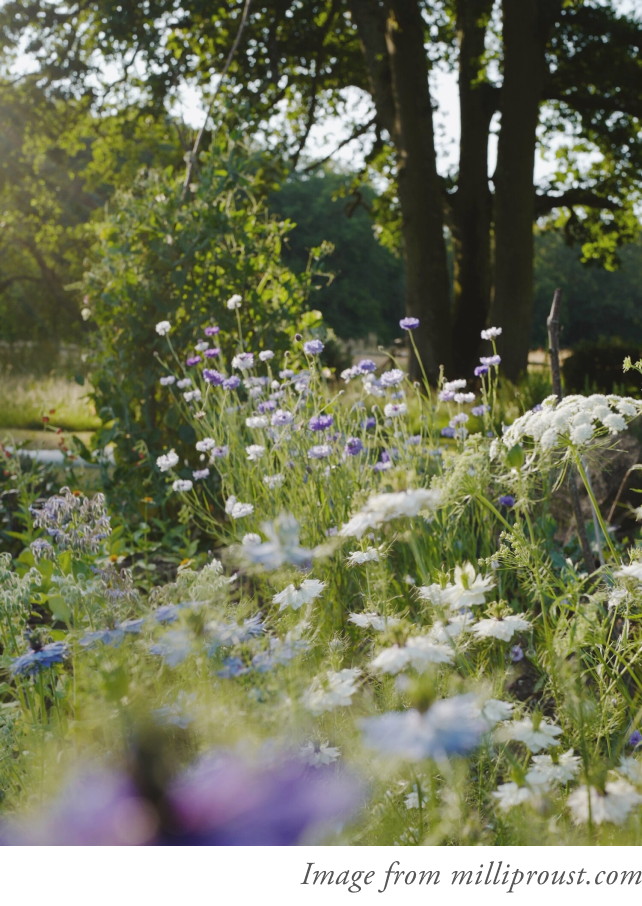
x=308 y=591
x=508 y=795
x=491 y=333
x=183 y=383
x=190 y=395
x=266 y=355
x=381 y=508
x=332 y=690
x=201 y=346
x=167 y=380
x=392 y=410
x=251 y=538
x=545 y=771
x=205 y=445
x=282 y=418
x=167 y=461
x=409 y=580
x=503 y=629
x=237 y=510
x=315 y=754
x=536 y=739
x=254 y=452
x=200 y=474
x=243 y=361
x=257 y=421
x=273 y=481
x=613 y=805
x=464 y=397
x=356 y=558
x=234 y=302
x=163 y=328
x=374 y=621
x=182 y=485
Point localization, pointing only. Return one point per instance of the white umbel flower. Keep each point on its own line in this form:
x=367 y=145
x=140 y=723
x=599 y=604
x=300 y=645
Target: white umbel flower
x=536 y=739
x=503 y=629
x=612 y=806
x=332 y=690
x=308 y=591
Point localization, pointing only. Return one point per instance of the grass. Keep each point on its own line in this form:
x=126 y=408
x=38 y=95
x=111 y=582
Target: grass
x=25 y=401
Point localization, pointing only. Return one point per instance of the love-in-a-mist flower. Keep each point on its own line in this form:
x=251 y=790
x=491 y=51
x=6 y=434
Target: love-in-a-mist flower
x=331 y=690
x=308 y=591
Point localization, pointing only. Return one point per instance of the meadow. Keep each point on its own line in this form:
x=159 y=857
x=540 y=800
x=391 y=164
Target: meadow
x=381 y=638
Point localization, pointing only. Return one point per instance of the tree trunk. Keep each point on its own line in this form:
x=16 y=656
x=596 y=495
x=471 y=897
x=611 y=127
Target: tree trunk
x=525 y=33
x=393 y=42
x=472 y=206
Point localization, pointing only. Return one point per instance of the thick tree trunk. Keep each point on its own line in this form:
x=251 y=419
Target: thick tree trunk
x=472 y=206
x=392 y=37
x=525 y=32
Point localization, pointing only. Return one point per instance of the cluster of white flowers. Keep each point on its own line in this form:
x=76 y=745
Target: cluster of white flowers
x=333 y=690
x=254 y=452
x=237 y=510
x=382 y=508
x=468 y=589
x=576 y=418
x=167 y=461
x=612 y=805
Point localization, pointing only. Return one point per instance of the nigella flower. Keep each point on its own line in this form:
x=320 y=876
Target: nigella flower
x=163 y=328
x=40 y=657
x=353 y=446
x=366 y=366
x=243 y=361
x=182 y=485
x=516 y=655
x=167 y=613
x=316 y=754
x=234 y=302
x=200 y=474
x=212 y=331
x=232 y=383
x=478 y=411
x=409 y=323
x=112 y=637
x=448 y=432
x=174 y=647
x=507 y=500
x=489 y=360
x=320 y=422
x=392 y=378
x=294 y=597
x=491 y=333
x=313 y=347
x=176 y=713
x=212 y=352
x=167 y=380
x=232 y=666
x=193 y=360
x=320 y=451
x=167 y=461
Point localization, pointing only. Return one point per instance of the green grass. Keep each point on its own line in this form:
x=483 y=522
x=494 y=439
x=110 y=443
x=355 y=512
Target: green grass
x=26 y=400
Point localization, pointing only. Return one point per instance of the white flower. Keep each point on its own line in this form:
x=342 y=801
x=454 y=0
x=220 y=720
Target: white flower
x=251 y=538
x=614 y=422
x=234 y=302
x=257 y=421
x=182 y=484
x=381 y=508
x=535 y=739
x=190 y=395
x=309 y=590
x=412 y=800
x=273 y=481
x=452 y=386
x=545 y=771
x=254 y=452
x=281 y=418
x=183 y=383
x=491 y=333
x=582 y=434
x=392 y=410
x=358 y=557
x=494 y=711
x=167 y=461
x=167 y=380
x=374 y=621
x=630 y=768
x=237 y=510
x=334 y=690
x=464 y=397
x=200 y=474
x=503 y=629
x=205 y=445
x=446 y=632
x=243 y=361
x=509 y=795
x=201 y=346
x=435 y=594
x=469 y=589
x=613 y=805
x=316 y=755
x=85 y=313
x=422 y=651
x=266 y=355
x=409 y=580
x=391 y=660
x=632 y=571
x=163 y=328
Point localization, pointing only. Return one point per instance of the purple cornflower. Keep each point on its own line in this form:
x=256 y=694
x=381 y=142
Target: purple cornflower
x=353 y=446
x=193 y=360
x=448 y=431
x=635 y=738
x=231 y=383
x=409 y=323
x=219 y=452
x=516 y=654
x=479 y=410
x=414 y=440
x=370 y=422
x=212 y=353
x=481 y=370
x=313 y=347
x=320 y=451
x=507 y=500
x=213 y=377
x=320 y=422
x=391 y=378
x=490 y=360
x=383 y=465
x=281 y=418
x=267 y=406
x=39 y=657
x=212 y=331
x=446 y=396
x=366 y=366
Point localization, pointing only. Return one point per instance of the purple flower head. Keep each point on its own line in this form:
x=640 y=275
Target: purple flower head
x=219 y=452
x=267 y=406
x=232 y=666
x=281 y=418
x=635 y=738
x=320 y=451
x=448 y=432
x=507 y=500
x=414 y=440
x=38 y=658
x=479 y=410
x=320 y=422
x=212 y=353
x=313 y=347
x=537 y=407
x=213 y=377
x=481 y=370
x=490 y=360
x=516 y=654
x=392 y=378
x=446 y=395
x=286 y=374
x=370 y=422
x=384 y=465
x=231 y=383
x=212 y=331
x=353 y=446
x=409 y=323
x=366 y=366
x=193 y=360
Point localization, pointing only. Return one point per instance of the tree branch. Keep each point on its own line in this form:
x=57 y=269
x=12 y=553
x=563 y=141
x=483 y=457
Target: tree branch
x=588 y=198
x=359 y=131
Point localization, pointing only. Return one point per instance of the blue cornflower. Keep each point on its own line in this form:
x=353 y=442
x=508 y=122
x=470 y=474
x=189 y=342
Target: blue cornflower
x=320 y=422
x=479 y=410
x=313 y=347
x=39 y=658
x=516 y=654
x=481 y=370
x=448 y=431
x=366 y=366
x=320 y=451
x=213 y=377
x=231 y=383
x=414 y=440
x=635 y=738
x=507 y=500
x=353 y=446
x=267 y=406
x=370 y=422
x=409 y=323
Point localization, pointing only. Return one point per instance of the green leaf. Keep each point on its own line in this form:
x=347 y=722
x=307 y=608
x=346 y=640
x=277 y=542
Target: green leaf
x=515 y=458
